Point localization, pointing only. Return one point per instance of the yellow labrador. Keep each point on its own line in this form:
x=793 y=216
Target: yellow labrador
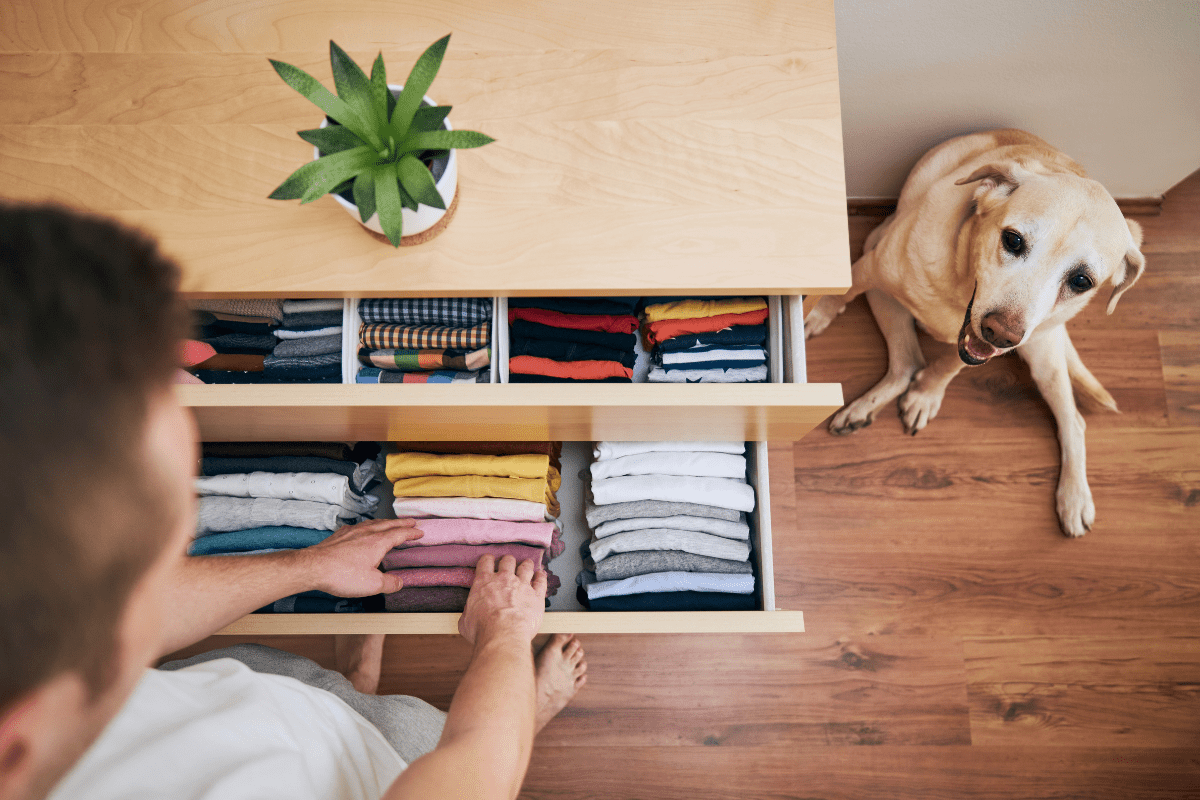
x=998 y=239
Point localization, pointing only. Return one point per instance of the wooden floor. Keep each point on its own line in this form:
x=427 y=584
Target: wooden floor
x=958 y=645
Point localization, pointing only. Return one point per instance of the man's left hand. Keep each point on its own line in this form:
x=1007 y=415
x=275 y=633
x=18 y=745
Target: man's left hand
x=347 y=563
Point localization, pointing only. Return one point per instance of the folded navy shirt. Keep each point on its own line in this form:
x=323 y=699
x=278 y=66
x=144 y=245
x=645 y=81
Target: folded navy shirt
x=737 y=334
x=670 y=601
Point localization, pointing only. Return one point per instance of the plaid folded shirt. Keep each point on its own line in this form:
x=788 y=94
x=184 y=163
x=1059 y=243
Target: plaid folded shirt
x=390 y=336
x=460 y=312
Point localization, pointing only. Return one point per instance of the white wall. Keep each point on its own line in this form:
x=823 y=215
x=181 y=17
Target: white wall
x=1115 y=84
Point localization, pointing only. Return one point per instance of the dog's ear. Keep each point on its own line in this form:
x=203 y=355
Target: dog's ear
x=1132 y=266
x=996 y=181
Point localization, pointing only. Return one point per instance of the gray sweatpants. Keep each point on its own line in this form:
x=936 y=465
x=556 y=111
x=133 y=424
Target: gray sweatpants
x=411 y=725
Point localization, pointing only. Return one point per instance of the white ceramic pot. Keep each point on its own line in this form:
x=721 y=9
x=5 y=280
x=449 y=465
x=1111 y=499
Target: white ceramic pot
x=425 y=217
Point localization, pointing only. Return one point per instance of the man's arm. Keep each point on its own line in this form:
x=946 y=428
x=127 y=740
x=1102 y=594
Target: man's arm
x=485 y=746
x=209 y=592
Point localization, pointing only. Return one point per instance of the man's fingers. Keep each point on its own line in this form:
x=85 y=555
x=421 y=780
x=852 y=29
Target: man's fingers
x=539 y=581
x=507 y=564
x=391 y=583
x=525 y=571
x=485 y=564
x=407 y=533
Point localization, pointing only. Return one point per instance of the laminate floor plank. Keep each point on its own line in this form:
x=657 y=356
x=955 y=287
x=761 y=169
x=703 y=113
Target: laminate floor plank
x=864 y=773
x=1181 y=376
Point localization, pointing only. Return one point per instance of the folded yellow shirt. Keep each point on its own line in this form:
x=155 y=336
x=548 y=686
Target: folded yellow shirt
x=415 y=465
x=537 y=490
x=694 y=309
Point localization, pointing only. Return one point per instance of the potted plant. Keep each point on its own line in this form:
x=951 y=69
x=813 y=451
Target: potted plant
x=386 y=152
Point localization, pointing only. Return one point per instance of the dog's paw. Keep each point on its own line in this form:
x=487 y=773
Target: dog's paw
x=918 y=406
x=1076 y=511
x=850 y=419
x=823 y=313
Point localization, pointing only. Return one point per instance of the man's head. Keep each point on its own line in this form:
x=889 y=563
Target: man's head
x=96 y=459
x=1041 y=245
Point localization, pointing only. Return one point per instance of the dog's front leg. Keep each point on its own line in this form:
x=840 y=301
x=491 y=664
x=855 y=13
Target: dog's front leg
x=923 y=399
x=1046 y=354
x=904 y=360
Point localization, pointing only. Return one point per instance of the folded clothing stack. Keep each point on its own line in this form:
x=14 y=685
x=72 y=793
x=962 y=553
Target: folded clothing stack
x=425 y=340
x=553 y=340
x=470 y=499
x=669 y=528
x=269 y=341
x=706 y=340
x=259 y=497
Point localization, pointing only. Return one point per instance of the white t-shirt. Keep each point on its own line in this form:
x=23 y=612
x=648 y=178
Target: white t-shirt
x=220 y=730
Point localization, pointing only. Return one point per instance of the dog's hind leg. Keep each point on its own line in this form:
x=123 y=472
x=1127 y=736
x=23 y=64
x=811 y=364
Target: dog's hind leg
x=829 y=306
x=923 y=399
x=904 y=360
x=1046 y=354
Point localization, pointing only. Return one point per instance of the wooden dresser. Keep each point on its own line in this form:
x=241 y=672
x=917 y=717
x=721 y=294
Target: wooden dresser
x=642 y=149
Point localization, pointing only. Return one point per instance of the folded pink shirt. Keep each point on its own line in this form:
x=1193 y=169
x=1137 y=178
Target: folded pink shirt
x=462 y=555
x=455 y=576
x=484 y=531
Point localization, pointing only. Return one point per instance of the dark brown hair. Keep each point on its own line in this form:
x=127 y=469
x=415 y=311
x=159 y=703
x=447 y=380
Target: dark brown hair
x=90 y=325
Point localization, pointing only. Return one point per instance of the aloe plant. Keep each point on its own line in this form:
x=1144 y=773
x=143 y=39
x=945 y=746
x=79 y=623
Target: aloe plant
x=382 y=142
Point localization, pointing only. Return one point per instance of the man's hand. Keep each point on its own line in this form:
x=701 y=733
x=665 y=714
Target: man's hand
x=347 y=563
x=506 y=599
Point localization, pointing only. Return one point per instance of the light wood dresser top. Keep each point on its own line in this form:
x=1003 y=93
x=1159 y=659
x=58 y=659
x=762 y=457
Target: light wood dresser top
x=642 y=148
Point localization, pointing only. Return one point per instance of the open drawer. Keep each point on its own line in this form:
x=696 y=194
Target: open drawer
x=784 y=409
x=565 y=614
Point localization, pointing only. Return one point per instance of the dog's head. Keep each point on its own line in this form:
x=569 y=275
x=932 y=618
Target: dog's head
x=1040 y=245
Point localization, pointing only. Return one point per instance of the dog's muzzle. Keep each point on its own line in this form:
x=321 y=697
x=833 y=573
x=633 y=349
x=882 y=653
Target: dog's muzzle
x=971 y=348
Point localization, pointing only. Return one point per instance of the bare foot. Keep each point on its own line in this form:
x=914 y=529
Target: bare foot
x=359 y=657
x=561 y=673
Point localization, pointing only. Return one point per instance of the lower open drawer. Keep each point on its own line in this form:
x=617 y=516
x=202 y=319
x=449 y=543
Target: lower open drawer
x=563 y=616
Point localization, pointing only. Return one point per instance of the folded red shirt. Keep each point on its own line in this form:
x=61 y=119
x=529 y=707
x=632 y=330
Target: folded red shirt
x=604 y=323
x=669 y=328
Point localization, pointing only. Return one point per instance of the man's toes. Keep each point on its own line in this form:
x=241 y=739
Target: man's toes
x=574 y=652
x=580 y=668
x=580 y=681
x=560 y=641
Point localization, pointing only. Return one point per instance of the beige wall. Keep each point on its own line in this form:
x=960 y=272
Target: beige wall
x=1113 y=83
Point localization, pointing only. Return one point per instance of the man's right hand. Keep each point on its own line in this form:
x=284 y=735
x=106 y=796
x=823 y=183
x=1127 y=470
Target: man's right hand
x=505 y=599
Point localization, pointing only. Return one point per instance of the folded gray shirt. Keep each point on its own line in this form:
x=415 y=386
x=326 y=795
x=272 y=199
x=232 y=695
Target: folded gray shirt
x=717 y=527
x=218 y=513
x=702 y=544
x=642 y=562
x=596 y=515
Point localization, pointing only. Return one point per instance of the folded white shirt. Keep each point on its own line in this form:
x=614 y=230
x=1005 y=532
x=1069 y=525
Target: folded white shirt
x=669 y=582
x=723 y=492
x=606 y=450
x=283 y=333
x=700 y=465
x=717 y=527
x=748 y=375
x=756 y=355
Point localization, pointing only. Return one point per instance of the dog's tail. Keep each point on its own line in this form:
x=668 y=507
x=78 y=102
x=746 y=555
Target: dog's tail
x=1085 y=382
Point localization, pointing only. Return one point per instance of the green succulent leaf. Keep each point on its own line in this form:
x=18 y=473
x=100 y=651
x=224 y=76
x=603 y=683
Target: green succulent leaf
x=407 y=200
x=353 y=86
x=418 y=182
x=332 y=138
x=326 y=100
x=387 y=203
x=364 y=194
x=317 y=178
x=419 y=80
x=429 y=118
x=379 y=90
x=446 y=140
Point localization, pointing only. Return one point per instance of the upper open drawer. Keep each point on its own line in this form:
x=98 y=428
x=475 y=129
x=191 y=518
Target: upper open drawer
x=786 y=408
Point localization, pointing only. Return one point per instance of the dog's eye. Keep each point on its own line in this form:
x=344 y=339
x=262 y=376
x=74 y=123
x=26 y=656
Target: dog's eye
x=1013 y=242
x=1080 y=283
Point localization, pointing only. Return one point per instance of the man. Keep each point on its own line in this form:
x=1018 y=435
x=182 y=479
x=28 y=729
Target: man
x=98 y=461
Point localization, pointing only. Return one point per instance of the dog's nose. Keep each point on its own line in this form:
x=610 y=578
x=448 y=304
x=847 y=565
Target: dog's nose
x=1001 y=330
